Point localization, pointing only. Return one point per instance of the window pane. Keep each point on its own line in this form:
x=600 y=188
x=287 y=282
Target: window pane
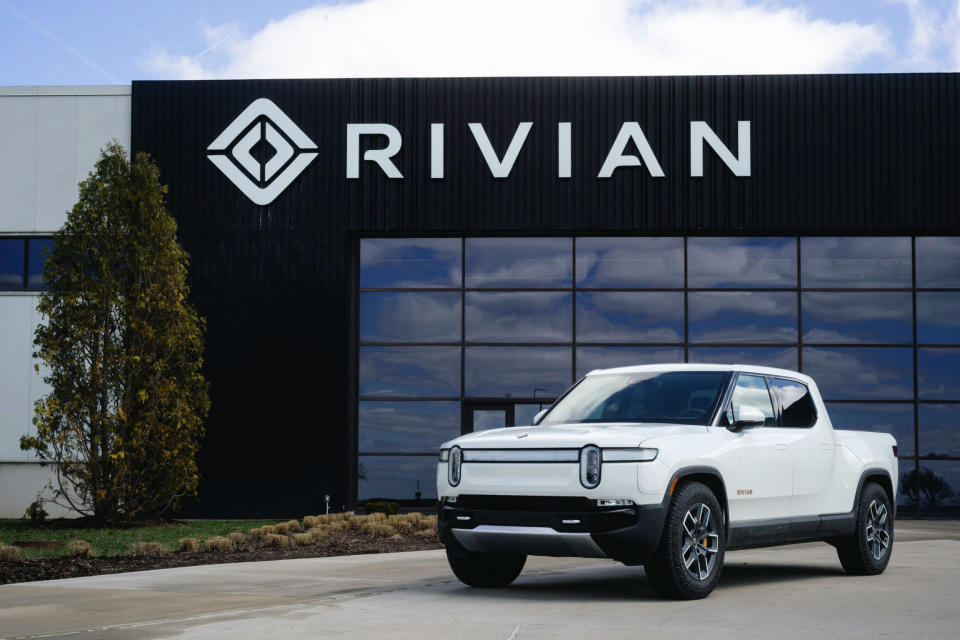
x=590 y=358
x=407 y=427
x=630 y=263
x=410 y=316
x=895 y=419
x=938 y=318
x=856 y=262
x=38 y=256
x=861 y=373
x=938 y=488
x=410 y=371
x=523 y=414
x=517 y=371
x=906 y=494
x=519 y=317
x=851 y=318
x=642 y=316
x=742 y=262
x=750 y=391
x=498 y=263
x=798 y=409
x=743 y=316
x=939 y=376
x=11 y=264
x=397 y=478
x=758 y=356
x=409 y=262
x=938 y=262
x=939 y=432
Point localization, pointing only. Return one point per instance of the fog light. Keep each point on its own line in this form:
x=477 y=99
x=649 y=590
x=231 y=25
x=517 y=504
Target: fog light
x=590 y=466
x=619 y=502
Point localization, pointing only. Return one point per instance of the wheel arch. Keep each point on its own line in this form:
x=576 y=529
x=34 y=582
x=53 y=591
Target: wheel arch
x=881 y=477
x=708 y=476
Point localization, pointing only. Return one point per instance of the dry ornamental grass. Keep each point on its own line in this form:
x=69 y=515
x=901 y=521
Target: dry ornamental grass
x=8 y=553
x=276 y=540
x=237 y=538
x=79 y=548
x=188 y=545
x=302 y=539
x=218 y=543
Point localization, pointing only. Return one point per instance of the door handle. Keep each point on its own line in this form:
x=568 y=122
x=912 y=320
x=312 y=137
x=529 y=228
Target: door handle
x=782 y=447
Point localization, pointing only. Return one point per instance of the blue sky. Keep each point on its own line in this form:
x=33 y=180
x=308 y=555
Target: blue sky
x=108 y=41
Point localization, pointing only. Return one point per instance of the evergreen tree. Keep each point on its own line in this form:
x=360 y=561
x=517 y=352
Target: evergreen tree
x=122 y=349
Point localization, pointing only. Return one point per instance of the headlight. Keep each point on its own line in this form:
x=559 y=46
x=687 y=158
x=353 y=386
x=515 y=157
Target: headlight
x=629 y=455
x=590 y=466
x=454 y=466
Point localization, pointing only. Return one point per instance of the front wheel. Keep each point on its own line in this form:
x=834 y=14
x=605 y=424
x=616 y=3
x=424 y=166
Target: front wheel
x=485 y=569
x=868 y=550
x=689 y=558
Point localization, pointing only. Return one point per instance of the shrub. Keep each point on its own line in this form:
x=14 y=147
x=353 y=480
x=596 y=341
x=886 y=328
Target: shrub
x=188 y=544
x=290 y=526
x=337 y=525
x=35 y=513
x=8 y=553
x=237 y=538
x=146 y=549
x=402 y=525
x=218 y=543
x=317 y=534
x=309 y=522
x=276 y=540
x=382 y=506
x=79 y=548
x=302 y=539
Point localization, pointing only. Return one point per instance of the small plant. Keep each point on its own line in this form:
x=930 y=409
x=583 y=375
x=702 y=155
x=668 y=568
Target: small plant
x=377 y=528
x=188 y=545
x=290 y=526
x=218 y=543
x=317 y=534
x=237 y=538
x=146 y=549
x=35 y=513
x=382 y=506
x=79 y=548
x=8 y=553
x=309 y=522
x=426 y=533
x=401 y=524
x=302 y=539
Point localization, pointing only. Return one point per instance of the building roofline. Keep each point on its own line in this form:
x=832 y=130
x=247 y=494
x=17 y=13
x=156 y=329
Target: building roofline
x=68 y=90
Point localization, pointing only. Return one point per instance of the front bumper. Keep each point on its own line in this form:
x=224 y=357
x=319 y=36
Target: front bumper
x=550 y=526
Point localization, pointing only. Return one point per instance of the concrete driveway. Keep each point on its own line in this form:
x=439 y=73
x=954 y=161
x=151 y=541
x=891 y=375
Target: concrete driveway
x=789 y=592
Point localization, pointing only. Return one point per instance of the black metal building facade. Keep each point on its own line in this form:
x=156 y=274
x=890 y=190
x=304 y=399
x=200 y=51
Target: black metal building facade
x=279 y=283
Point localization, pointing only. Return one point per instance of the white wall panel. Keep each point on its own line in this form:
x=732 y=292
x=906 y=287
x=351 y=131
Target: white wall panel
x=21 y=482
x=16 y=374
x=18 y=163
x=51 y=138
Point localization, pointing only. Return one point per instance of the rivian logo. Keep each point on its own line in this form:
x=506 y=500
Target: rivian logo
x=262 y=151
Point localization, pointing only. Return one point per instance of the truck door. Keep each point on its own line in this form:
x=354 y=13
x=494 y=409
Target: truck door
x=758 y=460
x=812 y=445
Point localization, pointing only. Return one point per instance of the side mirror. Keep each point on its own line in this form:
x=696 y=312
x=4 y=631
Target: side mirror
x=539 y=415
x=746 y=416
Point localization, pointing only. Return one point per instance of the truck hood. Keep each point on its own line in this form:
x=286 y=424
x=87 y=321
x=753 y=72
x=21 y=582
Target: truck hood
x=567 y=436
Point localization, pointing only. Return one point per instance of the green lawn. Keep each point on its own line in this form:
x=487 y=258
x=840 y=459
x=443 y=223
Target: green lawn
x=109 y=542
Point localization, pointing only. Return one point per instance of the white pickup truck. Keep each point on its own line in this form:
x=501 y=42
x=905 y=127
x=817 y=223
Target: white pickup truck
x=668 y=466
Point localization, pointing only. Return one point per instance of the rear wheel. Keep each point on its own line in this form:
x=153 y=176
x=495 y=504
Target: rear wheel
x=867 y=551
x=689 y=558
x=485 y=569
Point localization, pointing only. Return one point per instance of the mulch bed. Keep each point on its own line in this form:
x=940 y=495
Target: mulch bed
x=341 y=543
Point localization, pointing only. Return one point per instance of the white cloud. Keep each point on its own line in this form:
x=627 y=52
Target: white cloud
x=386 y=38
x=933 y=43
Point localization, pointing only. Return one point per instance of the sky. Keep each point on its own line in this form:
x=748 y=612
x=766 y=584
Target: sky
x=78 y=42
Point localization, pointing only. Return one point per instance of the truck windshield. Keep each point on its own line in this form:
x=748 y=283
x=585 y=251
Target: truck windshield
x=681 y=397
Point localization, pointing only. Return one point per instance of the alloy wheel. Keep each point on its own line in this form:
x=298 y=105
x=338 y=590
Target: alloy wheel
x=878 y=529
x=700 y=541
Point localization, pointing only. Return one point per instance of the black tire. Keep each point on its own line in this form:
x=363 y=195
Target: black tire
x=667 y=570
x=485 y=569
x=867 y=552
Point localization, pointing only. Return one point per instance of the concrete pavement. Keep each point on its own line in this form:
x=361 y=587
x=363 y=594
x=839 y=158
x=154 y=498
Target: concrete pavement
x=787 y=592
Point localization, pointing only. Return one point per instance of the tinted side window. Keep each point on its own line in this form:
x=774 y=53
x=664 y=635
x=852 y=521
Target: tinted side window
x=798 y=407
x=750 y=390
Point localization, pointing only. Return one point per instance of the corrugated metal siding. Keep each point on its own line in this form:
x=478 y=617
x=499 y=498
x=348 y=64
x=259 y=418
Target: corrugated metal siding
x=859 y=154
